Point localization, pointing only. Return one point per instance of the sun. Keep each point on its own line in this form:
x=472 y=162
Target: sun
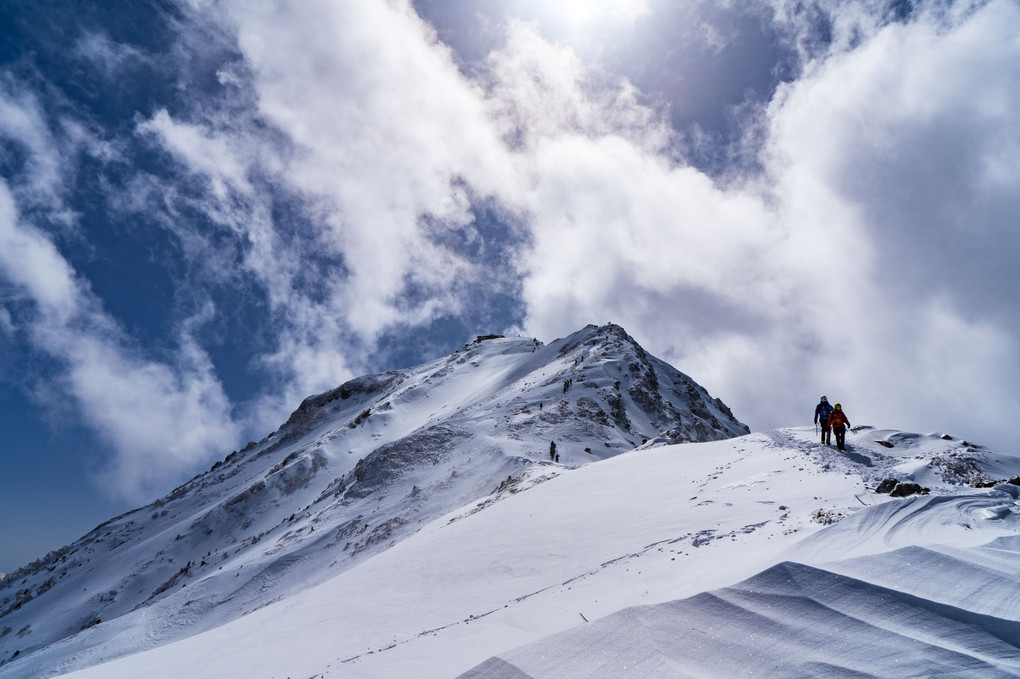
x=580 y=13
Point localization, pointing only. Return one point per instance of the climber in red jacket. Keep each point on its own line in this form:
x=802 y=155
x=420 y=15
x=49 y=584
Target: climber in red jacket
x=839 y=423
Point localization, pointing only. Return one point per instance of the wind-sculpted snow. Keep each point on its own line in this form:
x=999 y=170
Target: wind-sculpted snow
x=895 y=612
x=792 y=620
x=352 y=472
x=620 y=568
x=875 y=602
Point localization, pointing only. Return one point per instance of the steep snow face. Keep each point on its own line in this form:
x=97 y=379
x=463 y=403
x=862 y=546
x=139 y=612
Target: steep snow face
x=350 y=474
x=626 y=567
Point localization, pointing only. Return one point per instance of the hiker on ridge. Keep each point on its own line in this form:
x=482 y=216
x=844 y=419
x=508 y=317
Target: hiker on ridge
x=839 y=423
x=822 y=412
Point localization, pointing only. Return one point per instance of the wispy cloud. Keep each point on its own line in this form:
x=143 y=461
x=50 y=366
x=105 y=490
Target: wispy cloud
x=161 y=418
x=378 y=150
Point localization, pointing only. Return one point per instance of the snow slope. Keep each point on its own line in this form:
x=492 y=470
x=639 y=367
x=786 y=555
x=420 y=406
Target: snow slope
x=353 y=473
x=933 y=611
x=626 y=567
x=920 y=587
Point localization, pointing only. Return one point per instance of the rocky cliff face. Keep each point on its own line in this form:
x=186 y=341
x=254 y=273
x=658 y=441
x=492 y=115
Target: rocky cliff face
x=350 y=473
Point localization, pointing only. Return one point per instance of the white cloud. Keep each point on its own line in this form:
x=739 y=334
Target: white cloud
x=840 y=270
x=29 y=260
x=205 y=152
x=22 y=125
x=106 y=56
x=384 y=127
x=162 y=419
x=539 y=92
x=843 y=272
x=915 y=128
x=898 y=134
x=828 y=273
x=367 y=122
x=584 y=22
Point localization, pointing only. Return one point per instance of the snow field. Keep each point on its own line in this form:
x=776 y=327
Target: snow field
x=644 y=528
x=411 y=524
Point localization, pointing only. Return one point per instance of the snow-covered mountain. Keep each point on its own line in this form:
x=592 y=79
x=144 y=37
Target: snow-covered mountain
x=412 y=524
x=351 y=475
x=626 y=567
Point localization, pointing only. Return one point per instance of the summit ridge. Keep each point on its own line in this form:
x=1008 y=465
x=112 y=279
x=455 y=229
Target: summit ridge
x=353 y=471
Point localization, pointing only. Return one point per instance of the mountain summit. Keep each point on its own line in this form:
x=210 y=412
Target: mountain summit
x=352 y=472
x=418 y=523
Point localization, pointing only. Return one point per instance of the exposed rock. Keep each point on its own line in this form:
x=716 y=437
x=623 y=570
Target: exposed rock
x=336 y=477
x=886 y=486
x=907 y=489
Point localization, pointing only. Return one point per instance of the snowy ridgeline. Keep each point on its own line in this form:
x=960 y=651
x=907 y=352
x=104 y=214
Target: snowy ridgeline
x=414 y=523
x=923 y=587
x=764 y=555
x=352 y=473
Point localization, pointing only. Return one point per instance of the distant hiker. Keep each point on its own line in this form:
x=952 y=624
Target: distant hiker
x=557 y=458
x=822 y=413
x=552 y=450
x=839 y=423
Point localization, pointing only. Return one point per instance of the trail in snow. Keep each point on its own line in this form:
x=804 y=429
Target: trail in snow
x=791 y=620
x=906 y=588
x=645 y=549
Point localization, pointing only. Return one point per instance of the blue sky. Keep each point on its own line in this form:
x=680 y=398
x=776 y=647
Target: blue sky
x=210 y=210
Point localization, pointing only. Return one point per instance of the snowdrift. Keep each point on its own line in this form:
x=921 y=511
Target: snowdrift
x=910 y=612
x=627 y=567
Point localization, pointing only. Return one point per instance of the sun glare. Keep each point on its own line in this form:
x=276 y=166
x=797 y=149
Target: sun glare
x=578 y=13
